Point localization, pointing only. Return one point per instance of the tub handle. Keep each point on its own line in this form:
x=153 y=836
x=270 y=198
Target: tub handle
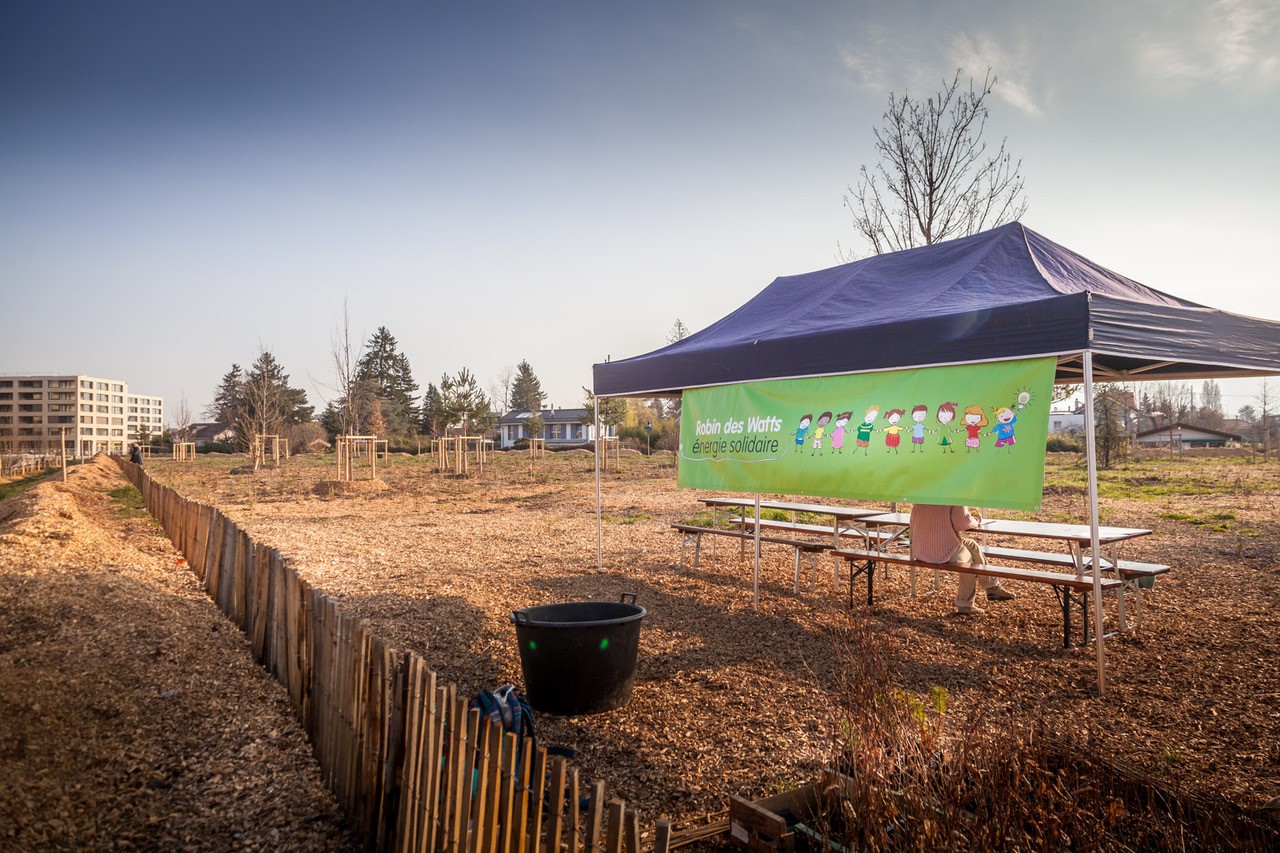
x=623 y=598
x=519 y=617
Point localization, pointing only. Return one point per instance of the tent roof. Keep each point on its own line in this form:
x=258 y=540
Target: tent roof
x=1004 y=293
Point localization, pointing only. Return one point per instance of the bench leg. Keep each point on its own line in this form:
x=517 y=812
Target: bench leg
x=697 y=550
x=1137 y=600
x=869 y=569
x=1066 y=599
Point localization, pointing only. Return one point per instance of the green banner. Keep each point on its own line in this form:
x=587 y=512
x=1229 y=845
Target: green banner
x=965 y=434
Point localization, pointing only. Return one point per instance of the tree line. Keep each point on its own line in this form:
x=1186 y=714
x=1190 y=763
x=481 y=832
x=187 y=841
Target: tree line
x=375 y=393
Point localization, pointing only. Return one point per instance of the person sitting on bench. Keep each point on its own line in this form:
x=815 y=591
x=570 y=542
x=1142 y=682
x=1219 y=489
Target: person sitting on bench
x=937 y=536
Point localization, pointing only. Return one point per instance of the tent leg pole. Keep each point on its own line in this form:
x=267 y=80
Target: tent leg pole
x=599 y=516
x=1091 y=456
x=755 y=574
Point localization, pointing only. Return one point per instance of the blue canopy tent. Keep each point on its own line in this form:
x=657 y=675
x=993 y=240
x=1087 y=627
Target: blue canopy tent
x=1002 y=294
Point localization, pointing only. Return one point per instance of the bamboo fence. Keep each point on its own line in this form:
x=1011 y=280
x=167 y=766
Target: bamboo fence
x=414 y=767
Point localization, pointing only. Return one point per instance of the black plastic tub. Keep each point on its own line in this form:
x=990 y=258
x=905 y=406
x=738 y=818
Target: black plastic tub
x=579 y=657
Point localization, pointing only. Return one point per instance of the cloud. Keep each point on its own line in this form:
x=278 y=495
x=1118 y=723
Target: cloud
x=1010 y=68
x=870 y=63
x=1227 y=43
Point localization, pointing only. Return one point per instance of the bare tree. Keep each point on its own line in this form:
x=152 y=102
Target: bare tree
x=182 y=420
x=346 y=364
x=1266 y=414
x=500 y=388
x=935 y=179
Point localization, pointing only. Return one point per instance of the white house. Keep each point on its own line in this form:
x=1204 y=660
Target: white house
x=562 y=426
x=1179 y=435
x=1066 y=421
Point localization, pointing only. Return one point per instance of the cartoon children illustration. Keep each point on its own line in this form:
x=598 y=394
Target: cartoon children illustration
x=818 y=431
x=837 y=435
x=865 y=428
x=803 y=428
x=1005 y=419
x=918 y=414
x=946 y=414
x=893 y=432
x=974 y=421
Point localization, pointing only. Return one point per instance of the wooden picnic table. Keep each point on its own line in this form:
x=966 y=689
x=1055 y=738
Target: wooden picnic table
x=1076 y=533
x=1077 y=536
x=837 y=513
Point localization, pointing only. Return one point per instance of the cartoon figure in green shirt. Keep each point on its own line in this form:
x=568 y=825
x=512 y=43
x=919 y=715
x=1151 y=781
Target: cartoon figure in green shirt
x=865 y=428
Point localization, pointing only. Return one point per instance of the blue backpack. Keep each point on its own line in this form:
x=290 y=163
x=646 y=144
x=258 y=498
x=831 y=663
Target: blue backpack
x=509 y=709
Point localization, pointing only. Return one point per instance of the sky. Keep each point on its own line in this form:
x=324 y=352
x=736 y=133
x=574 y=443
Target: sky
x=185 y=184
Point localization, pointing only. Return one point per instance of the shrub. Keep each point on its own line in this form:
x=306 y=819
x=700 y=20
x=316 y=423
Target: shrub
x=1063 y=444
x=218 y=447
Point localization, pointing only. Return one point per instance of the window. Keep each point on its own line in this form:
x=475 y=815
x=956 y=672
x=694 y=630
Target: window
x=6 y=395
x=85 y=383
x=117 y=432
x=30 y=419
x=30 y=395
x=101 y=431
x=117 y=410
x=118 y=421
x=62 y=395
x=101 y=398
x=63 y=419
x=61 y=407
x=30 y=383
x=6 y=383
x=100 y=409
x=6 y=407
x=101 y=386
x=117 y=399
x=84 y=420
x=62 y=383
x=6 y=419
x=133 y=410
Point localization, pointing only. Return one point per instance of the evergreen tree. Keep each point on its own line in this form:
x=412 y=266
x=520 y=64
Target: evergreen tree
x=267 y=404
x=390 y=380
x=226 y=398
x=434 y=419
x=613 y=410
x=535 y=426
x=464 y=405
x=526 y=390
x=332 y=421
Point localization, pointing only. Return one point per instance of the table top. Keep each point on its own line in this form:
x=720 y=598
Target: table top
x=1032 y=529
x=846 y=512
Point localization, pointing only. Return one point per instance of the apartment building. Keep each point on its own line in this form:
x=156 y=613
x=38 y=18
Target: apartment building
x=97 y=414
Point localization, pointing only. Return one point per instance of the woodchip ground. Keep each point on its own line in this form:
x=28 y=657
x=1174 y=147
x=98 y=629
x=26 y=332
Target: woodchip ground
x=727 y=699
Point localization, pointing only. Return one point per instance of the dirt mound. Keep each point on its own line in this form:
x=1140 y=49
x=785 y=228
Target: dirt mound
x=47 y=525
x=132 y=715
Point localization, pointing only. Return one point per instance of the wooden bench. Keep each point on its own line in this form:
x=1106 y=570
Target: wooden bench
x=1068 y=588
x=811 y=529
x=1133 y=574
x=694 y=533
